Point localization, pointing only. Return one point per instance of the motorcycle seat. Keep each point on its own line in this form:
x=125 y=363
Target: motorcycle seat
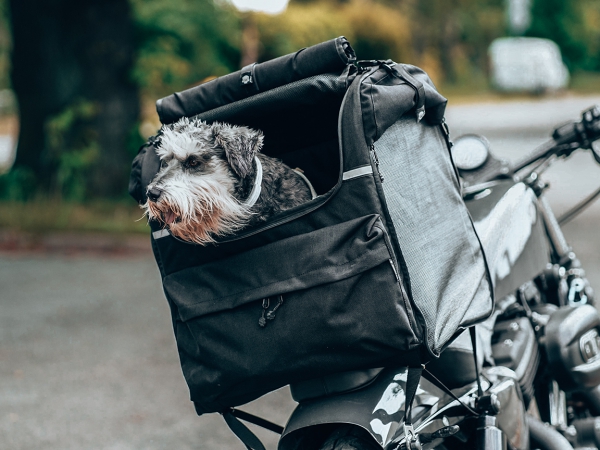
x=455 y=368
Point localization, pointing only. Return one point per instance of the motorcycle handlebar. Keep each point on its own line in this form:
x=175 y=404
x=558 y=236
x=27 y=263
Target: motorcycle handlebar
x=584 y=132
x=565 y=139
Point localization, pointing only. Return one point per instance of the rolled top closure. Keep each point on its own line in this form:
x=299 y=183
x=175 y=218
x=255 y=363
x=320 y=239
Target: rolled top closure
x=327 y=57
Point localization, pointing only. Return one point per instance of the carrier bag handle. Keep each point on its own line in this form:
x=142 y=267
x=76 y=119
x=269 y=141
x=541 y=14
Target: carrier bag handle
x=418 y=87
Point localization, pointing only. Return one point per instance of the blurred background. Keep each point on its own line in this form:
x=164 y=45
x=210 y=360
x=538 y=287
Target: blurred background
x=78 y=79
x=87 y=356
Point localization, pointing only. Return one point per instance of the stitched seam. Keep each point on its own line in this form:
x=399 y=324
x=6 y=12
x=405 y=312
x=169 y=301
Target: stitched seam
x=287 y=279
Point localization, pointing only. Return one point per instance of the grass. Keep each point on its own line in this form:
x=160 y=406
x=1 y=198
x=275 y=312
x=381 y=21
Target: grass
x=41 y=216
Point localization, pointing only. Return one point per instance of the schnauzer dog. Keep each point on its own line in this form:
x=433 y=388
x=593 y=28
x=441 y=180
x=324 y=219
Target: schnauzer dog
x=214 y=182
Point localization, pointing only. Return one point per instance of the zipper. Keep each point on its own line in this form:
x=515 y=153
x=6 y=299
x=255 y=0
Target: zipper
x=395 y=270
x=388 y=244
x=376 y=161
x=411 y=308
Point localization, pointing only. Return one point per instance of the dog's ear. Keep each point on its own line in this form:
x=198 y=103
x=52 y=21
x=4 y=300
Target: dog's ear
x=240 y=144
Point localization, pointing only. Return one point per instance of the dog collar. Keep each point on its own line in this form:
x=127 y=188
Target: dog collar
x=313 y=193
x=255 y=193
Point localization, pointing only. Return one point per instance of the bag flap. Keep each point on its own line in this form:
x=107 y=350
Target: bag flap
x=322 y=256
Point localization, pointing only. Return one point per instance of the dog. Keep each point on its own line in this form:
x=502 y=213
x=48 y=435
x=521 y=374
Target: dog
x=213 y=181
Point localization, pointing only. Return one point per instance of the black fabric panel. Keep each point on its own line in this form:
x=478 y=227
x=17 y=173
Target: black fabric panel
x=355 y=323
x=319 y=162
x=350 y=129
x=300 y=262
x=143 y=169
x=326 y=57
x=291 y=117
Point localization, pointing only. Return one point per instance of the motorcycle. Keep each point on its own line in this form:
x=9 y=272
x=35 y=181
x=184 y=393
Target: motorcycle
x=529 y=376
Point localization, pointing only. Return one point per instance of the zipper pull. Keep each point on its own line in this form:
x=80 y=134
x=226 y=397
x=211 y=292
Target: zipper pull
x=271 y=314
x=266 y=314
x=376 y=161
x=395 y=270
x=262 y=321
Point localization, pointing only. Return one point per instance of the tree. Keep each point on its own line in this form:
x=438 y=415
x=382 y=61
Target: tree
x=182 y=42
x=71 y=64
x=561 y=21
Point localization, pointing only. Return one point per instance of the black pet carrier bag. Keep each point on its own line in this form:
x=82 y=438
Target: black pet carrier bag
x=382 y=268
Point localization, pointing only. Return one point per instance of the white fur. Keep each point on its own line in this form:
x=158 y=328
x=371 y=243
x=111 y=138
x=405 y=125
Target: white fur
x=203 y=202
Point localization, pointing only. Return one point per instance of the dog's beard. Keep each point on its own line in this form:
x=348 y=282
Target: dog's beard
x=199 y=212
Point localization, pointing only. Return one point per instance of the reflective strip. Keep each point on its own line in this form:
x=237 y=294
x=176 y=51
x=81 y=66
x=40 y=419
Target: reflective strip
x=358 y=172
x=161 y=233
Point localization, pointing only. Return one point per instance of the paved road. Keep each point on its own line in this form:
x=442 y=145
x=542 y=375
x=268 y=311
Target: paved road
x=87 y=357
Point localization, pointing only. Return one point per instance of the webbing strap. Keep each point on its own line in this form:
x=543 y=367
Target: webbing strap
x=412 y=383
x=257 y=421
x=244 y=434
x=431 y=377
x=417 y=86
x=474 y=344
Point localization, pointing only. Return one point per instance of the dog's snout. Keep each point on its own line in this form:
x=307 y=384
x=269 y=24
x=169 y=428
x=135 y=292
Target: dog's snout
x=154 y=194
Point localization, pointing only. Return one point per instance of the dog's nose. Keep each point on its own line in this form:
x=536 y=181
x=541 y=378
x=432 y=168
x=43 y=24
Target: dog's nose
x=154 y=194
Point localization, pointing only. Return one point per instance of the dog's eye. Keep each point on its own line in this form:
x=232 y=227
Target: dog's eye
x=192 y=162
x=163 y=164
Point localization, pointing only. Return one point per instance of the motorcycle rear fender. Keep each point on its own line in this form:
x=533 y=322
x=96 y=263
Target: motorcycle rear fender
x=379 y=409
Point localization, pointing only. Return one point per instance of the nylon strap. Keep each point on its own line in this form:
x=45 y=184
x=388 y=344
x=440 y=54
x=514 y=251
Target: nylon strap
x=248 y=438
x=431 y=377
x=243 y=433
x=474 y=344
x=412 y=383
x=417 y=86
x=251 y=418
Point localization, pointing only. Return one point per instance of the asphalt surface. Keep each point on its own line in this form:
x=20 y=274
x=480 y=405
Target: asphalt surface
x=87 y=355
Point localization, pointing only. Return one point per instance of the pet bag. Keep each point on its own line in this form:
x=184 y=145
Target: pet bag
x=382 y=268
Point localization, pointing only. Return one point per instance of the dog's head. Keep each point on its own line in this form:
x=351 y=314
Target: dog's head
x=202 y=167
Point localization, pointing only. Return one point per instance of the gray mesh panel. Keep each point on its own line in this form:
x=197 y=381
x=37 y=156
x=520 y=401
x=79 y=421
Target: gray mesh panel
x=442 y=252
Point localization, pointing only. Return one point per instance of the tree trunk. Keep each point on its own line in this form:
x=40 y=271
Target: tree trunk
x=70 y=50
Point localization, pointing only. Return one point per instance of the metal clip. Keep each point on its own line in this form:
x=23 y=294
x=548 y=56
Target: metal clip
x=412 y=441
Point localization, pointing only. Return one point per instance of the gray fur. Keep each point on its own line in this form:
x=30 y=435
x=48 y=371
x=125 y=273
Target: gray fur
x=197 y=154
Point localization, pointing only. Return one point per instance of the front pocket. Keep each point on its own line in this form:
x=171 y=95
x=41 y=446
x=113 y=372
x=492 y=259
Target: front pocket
x=300 y=262
x=342 y=309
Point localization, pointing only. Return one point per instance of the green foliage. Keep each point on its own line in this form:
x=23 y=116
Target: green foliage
x=17 y=185
x=72 y=145
x=181 y=42
x=451 y=37
x=373 y=28
x=561 y=21
x=448 y=38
